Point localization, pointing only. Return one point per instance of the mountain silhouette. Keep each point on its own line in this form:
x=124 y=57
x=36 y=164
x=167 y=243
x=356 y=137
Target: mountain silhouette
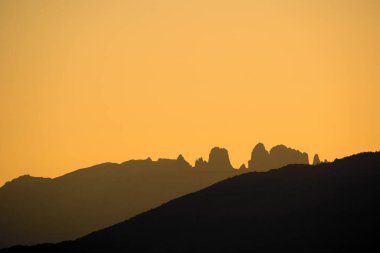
x=316 y=160
x=35 y=210
x=39 y=210
x=260 y=160
x=330 y=207
x=219 y=159
x=278 y=156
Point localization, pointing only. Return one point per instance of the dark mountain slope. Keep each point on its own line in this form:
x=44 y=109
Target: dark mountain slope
x=326 y=208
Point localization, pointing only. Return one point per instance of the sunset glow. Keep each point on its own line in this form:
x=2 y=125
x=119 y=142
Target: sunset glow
x=86 y=82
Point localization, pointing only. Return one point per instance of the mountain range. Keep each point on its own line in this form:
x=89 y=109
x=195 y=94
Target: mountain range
x=330 y=207
x=40 y=210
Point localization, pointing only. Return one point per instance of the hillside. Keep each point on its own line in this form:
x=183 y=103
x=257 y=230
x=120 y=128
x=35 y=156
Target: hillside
x=36 y=210
x=331 y=207
x=39 y=210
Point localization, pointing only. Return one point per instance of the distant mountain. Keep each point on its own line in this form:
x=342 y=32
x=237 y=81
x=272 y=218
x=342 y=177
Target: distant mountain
x=218 y=159
x=330 y=207
x=37 y=210
x=277 y=157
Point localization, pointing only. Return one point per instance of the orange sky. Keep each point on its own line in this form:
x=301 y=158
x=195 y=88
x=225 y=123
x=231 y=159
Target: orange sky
x=85 y=82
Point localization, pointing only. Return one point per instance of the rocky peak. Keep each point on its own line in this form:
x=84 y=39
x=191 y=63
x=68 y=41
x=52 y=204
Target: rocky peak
x=219 y=159
x=281 y=155
x=181 y=160
x=316 y=160
x=259 y=158
x=200 y=163
x=277 y=157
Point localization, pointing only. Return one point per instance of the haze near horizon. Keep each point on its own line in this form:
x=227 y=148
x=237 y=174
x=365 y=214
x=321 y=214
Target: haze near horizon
x=85 y=82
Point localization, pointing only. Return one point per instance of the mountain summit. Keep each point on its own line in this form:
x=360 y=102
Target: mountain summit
x=219 y=159
x=278 y=156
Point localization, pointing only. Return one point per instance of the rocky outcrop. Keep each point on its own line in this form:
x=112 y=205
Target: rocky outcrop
x=259 y=158
x=316 y=160
x=219 y=159
x=182 y=162
x=281 y=155
x=277 y=157
x=200 y=163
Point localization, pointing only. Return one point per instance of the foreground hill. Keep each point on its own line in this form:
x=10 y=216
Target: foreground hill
x=331 y=207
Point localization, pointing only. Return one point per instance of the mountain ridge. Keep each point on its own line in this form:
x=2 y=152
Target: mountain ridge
x=37 y=210
x=330 y=206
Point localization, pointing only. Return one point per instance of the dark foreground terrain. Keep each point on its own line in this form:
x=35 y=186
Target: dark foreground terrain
x=332 y=207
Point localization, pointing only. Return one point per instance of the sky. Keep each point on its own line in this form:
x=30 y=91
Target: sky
x=86 y=82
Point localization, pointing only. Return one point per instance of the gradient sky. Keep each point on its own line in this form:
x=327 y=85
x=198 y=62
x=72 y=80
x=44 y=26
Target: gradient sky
x=85 y=82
